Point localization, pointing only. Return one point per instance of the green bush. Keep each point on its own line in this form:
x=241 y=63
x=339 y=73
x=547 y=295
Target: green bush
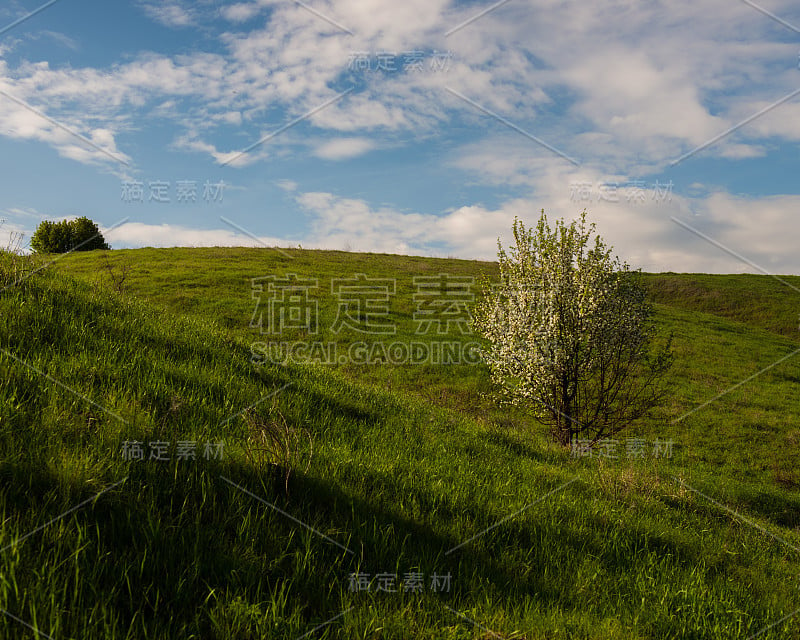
x=80 y=234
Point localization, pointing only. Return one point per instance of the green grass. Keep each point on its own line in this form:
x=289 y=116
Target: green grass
x=414 y=469
x=771 y=303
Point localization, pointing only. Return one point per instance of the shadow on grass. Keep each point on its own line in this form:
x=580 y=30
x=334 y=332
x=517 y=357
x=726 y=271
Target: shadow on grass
x=523 y=450
x=173 y=539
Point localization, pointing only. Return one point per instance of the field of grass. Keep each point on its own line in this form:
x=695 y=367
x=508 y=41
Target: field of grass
x=418 y=506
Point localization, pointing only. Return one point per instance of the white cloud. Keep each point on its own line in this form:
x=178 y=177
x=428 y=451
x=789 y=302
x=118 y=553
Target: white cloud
x=287 y=185
x=59 y=37
x=764 y=230
x=13 y=237
x=623 y=87
x=634 y=217
x=75 y=140
x=169 y=14
x=16 y=212
x=628 y=93
x=343 y=148
x=657 y=80
x=230 y=158
x=340 y=222
x=641 y=233
x=241 y=11
x=618 y=101
x=138 y=234
x=684 y=59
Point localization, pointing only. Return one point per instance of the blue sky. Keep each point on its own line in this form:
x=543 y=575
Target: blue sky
x=420 y=127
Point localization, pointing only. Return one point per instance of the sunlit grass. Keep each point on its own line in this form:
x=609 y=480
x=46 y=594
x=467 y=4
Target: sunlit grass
x=413 y=471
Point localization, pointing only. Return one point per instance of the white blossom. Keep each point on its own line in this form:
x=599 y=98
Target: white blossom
x=569 y=331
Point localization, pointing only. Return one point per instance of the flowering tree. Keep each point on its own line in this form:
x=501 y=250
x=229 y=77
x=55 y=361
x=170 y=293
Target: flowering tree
x=569 y=332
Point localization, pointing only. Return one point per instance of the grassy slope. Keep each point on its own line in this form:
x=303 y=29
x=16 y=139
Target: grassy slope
x=216 y=284
x=176 y=551
x=771 y=303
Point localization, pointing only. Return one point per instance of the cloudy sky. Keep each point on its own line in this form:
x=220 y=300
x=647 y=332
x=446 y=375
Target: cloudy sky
x=419 y=127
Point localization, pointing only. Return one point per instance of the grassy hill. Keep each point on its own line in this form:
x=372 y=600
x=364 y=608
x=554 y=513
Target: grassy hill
x=404 y=470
